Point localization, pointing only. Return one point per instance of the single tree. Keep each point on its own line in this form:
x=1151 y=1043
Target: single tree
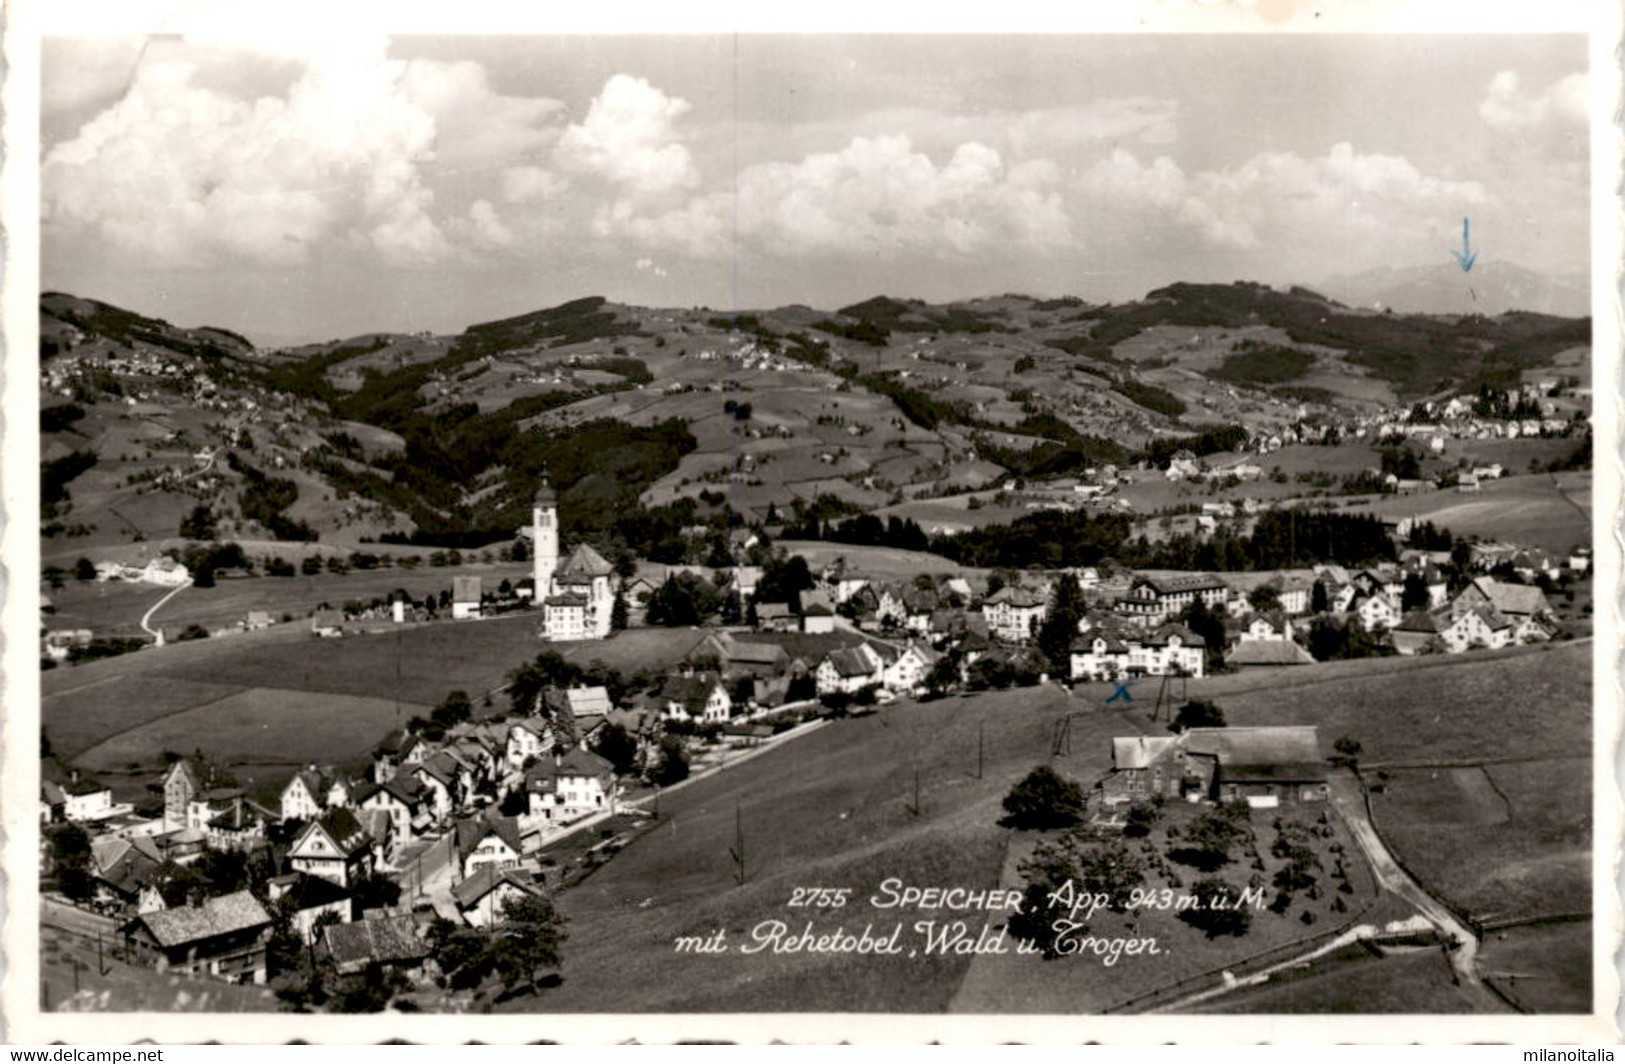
x=527 y=940
x=1197 y=713
x=1044 y=800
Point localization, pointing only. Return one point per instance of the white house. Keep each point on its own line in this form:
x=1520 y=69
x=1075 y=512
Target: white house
x=334 y=847
x=1172 y=650
x=528 y=738
x=849 y=670
x=486 y=841
x=1013 y=613
x=907 y=669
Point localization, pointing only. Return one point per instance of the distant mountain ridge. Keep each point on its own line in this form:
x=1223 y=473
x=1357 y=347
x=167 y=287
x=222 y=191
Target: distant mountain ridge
x=1491 y=288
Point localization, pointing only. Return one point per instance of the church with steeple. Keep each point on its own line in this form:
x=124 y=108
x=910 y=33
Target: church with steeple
x=576 y=599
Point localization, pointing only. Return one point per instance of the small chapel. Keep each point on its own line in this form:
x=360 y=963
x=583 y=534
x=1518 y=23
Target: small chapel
x=576 y=599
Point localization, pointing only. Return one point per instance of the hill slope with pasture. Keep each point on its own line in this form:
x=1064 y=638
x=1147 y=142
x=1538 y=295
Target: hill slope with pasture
x=445 y=438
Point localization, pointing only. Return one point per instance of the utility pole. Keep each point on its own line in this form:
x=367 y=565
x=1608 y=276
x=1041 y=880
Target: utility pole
x=738 y=851
x=101 y=966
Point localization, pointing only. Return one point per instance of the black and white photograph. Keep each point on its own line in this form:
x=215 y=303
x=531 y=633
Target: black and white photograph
x=734 y=523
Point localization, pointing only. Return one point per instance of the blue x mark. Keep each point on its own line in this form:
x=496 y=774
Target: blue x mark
x=1120 y=692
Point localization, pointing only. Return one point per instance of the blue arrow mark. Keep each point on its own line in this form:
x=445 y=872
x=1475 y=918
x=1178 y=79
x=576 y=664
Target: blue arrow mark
x=1466 y=256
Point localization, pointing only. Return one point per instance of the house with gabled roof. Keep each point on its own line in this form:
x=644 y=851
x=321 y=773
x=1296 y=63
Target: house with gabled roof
x=486 y=840
x=443 y=784
x=1265 y=766
x=482 y=897
x=1420 y=630
x=307 y=899
x=334 y=847
x=392 y=942
x=224 y=938
x=1378 y=611
x=1171 y=650
x=696 y=698
x=905 y=669
x=775 y=616
x=1516 y=601
x=401 y=798
x=1102 y=653
x=1272 y=626
x=181 y=783
x=307 y=794
x=572 y=786
x=529 y=737
x=849 y=669
x=1267 y=653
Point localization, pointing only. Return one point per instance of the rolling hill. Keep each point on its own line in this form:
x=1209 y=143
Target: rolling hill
x=653 y=420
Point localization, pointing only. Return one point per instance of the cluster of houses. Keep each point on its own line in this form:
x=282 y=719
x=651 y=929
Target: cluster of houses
x=457 y=823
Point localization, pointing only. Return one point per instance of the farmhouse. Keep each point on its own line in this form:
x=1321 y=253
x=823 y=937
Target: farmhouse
x=849 y=670
x=1266 y=766
x=224 y=938
x=1517 y=601
x=693 y=698
x=388 y=941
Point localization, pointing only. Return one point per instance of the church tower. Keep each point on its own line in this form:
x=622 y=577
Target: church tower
x=544 y=523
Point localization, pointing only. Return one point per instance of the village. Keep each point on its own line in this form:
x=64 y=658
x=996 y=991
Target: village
x=460 y=816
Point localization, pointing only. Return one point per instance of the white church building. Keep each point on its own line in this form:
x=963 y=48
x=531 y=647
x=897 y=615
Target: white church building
x=576 y=599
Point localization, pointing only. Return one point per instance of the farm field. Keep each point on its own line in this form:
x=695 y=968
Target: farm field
x=261 y=728
x=1499 y=841
x=1535 y=965
x=829 y=809
x=275 y=697
x=885 y=563
x=1534 y=700
x=1552 y=512
x=116 y=608
x=833 y=808
x=1352 y=980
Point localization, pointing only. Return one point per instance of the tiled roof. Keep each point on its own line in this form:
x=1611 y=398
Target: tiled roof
x=387 y=939
x=486 y=879
x=1268 y=652
x=583 y=565
x=217 y=916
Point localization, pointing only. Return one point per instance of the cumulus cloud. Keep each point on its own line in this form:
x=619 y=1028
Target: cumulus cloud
x=875 y=194
x=629 y=137
x=527 y=184
x=487 y=225
x=648 y=265
x=180 y=173
x=1278 y=194
x=1508 y=105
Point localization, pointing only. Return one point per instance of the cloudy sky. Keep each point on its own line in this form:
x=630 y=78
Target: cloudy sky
x=302 y=189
